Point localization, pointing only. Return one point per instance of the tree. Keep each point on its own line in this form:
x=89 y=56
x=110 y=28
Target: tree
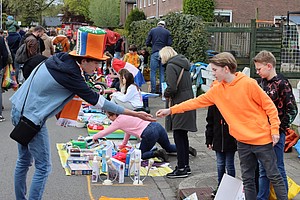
x=203 y=8
x=105 y=13
x=76 y=9
x=26 y=11
x=134 y=15
x=53 y=10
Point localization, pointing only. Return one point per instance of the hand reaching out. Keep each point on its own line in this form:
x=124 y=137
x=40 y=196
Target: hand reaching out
x=145 y=116
x=163 y=112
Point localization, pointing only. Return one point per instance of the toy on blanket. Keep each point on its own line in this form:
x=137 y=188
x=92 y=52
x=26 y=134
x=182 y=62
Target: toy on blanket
x=85 y=143
x=97 y=127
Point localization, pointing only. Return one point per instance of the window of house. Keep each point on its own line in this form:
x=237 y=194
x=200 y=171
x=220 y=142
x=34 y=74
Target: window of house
x=154 y=2
x=134 y=6
x=223 y=15
x=149 y=2
x=141 y=3
x=145 y=3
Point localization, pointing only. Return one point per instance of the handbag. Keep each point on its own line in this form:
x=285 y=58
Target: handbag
x=9 y=78
x=25 y=130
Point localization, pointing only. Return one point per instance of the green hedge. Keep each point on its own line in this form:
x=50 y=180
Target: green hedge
x=189 y=37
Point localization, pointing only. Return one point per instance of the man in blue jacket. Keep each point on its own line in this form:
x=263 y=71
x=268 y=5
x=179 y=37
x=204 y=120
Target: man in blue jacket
x=158 y=38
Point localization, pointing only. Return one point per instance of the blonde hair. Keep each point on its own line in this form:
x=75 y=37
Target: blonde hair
x=265 y=57
x=166 y=53
x=225 y=59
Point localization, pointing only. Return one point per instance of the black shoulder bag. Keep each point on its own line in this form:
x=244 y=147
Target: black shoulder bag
x=25 y=130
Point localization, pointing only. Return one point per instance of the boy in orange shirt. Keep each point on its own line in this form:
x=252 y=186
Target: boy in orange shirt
x=251 y=116
x=132 y=57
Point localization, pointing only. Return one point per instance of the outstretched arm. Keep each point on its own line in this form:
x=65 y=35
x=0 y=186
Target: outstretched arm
x=163 y=112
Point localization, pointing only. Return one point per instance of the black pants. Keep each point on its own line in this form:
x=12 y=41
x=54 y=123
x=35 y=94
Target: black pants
x=182 y=145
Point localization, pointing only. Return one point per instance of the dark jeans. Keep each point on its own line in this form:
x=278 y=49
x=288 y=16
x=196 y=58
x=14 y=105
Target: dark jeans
x=249 y=154
x=264 y=183
x=225 y=161
x=153 y=133
x=182 y=144
x=155 y=63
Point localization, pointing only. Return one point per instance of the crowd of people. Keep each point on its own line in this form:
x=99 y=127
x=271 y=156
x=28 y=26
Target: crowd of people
x=266 y=106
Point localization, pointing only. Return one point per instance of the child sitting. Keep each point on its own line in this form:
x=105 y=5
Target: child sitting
x=131 y=98
x=149 y=132
x=132 y=57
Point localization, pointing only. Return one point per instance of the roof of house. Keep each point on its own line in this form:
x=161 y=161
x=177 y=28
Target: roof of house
x=52 y=21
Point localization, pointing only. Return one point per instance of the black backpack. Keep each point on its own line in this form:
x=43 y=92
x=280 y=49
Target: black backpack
x=21 y=54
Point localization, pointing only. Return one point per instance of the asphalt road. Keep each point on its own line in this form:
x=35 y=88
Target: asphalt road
x=60 y=186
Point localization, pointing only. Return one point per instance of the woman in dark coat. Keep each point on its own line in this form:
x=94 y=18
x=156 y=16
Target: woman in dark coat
x=177 y=93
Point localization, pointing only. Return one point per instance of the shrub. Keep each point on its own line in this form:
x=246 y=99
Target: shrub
x=189 y=37
x=134 y=15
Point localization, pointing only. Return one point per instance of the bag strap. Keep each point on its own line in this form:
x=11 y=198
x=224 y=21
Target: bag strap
x=180 y=76
x=29 y=87
x=178 y=80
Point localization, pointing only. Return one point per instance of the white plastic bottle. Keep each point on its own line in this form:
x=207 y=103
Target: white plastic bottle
x=95 y=172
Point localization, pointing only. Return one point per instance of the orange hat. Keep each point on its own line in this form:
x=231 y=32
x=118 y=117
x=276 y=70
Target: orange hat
x=118 y=64
x=90 y=43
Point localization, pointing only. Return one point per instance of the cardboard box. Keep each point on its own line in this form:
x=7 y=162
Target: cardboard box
x=230 y=189
x=80 y=168
x=120 y=168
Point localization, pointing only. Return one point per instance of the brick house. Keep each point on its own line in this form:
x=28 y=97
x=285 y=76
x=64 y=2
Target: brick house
x=230 y=10
x=125 y=7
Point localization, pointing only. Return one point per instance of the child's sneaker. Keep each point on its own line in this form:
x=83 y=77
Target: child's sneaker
x=161 y=153
x=2 y=118
x=213 y=194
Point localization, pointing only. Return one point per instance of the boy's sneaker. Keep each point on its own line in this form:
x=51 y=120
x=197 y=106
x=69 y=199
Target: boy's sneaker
x=192 y=151
x=2 y=118
x=213 y=194
x=178 y=173
x=188 y=169
x=161 y=153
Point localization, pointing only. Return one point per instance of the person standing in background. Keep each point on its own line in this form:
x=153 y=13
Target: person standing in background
x=13 y=40
x=49 y=48
x=280 y=91
x=3 y=62
x=119 y=47
x=111 y=39
x=181 y=123
x=158 y=38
